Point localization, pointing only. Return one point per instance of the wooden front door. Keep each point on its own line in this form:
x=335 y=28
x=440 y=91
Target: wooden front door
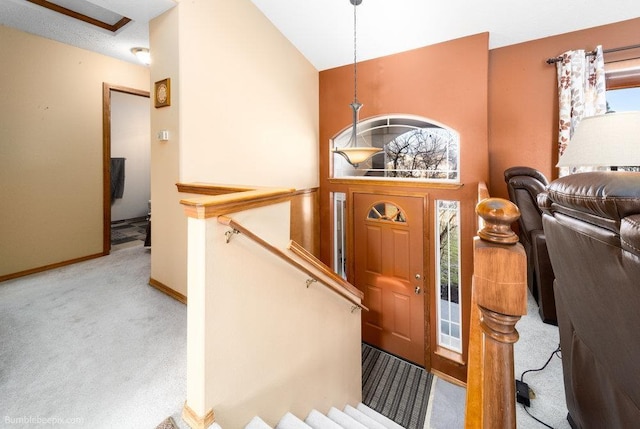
x=389 y=264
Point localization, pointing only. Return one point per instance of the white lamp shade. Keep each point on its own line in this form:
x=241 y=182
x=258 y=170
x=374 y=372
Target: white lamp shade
x=611 y=140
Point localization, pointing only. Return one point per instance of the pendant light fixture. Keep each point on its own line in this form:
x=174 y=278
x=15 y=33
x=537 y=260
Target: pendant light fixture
x=353 y=153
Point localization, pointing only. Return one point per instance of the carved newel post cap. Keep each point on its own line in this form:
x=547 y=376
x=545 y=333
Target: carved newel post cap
x=498 y=215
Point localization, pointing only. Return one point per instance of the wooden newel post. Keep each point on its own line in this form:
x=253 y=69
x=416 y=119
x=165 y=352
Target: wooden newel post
x=498 y=300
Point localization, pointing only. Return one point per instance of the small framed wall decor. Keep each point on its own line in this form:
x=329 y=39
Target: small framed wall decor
x=163 y=93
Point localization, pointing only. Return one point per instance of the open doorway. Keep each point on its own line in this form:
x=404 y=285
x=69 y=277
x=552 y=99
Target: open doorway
x=126 y=160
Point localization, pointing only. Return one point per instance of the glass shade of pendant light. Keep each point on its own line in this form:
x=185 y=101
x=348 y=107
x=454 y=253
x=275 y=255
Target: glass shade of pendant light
x=353 y=153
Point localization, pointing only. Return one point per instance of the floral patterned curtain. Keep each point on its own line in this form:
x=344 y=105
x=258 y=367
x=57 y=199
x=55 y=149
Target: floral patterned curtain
x=581 y=92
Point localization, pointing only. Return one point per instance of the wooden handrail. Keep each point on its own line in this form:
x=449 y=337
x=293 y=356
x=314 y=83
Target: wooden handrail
x=303 y=253
x=225 y=199
x=327 y=277
x=498 y=300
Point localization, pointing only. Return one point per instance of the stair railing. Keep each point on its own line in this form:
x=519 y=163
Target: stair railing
x=498 y=300
x=306 y=263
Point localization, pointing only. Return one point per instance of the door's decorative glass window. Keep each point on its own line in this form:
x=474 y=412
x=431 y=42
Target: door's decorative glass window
x=414 y=148
x=448 y=275
x=387 y=212
x=339 y=234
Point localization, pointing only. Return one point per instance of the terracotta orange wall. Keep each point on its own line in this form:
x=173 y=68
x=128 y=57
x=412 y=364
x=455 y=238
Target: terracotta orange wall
x=446 y=82
x=523 y=105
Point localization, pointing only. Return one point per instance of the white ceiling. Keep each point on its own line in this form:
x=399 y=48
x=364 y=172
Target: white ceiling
x=38 y=20
x=323 y=29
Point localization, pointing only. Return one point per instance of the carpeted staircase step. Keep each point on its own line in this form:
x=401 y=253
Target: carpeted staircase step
x=344 y=420
x=289 y=421
x=257 y=423
x=317 y=420
x=360 y=417
x=384 y=420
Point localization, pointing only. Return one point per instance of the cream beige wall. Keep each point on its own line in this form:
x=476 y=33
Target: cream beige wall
x=51 y=149
x=260 y=342
x=168 y=223
x=244 y=111
x=249 y=99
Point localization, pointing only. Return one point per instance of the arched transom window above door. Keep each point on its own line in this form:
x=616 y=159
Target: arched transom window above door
x=386 y=212
x=412 y=148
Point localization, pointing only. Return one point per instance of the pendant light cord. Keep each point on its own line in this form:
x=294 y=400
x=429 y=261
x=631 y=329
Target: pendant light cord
x=355 y=59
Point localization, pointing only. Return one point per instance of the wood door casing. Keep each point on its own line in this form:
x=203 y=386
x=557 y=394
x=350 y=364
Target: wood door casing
x=389 y=255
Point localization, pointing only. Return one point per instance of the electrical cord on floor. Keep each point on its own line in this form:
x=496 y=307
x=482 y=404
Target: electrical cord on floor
x=526 y=409
x=556 y=352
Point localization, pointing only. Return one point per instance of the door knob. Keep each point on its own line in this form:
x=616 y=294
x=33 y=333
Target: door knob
x=417 y=290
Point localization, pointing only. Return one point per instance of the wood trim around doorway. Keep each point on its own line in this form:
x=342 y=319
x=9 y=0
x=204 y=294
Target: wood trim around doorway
x=106 y=158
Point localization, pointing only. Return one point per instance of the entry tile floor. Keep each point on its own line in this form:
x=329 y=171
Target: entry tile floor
x=128 y=232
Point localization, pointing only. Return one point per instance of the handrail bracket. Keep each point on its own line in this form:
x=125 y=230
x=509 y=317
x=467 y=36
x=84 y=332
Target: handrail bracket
x=230 y=233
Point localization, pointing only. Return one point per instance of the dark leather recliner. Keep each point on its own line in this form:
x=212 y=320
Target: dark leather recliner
x=592 y=225
x=524 y=184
